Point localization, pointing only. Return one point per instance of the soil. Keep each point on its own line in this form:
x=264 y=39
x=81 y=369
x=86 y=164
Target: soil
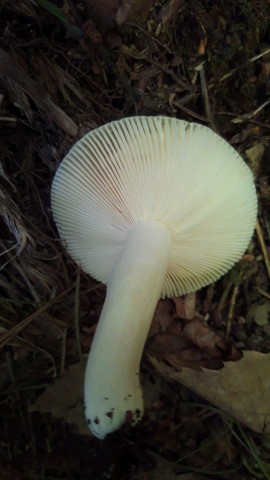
x=65 y=68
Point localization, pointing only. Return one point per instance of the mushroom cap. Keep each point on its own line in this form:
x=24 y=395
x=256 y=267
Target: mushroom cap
x=159 y=169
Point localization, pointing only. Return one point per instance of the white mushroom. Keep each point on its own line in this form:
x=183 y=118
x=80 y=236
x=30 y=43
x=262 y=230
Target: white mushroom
x=152 y=207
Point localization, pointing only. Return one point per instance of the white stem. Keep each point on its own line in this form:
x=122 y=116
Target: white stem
x=112 y=383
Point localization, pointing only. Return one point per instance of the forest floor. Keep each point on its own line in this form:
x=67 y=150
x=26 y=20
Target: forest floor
x=63 y=73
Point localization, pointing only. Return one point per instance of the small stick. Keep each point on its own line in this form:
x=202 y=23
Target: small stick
x=263 y=293
x=250 y=60
x=205 y=93
x=224 y=296
x=147 y=34
x=181 y=81
x=232 y=305
x=185 y=109
x=263 y=247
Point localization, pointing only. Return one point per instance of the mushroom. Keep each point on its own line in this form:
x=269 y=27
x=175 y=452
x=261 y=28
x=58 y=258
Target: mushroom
x=153 y=207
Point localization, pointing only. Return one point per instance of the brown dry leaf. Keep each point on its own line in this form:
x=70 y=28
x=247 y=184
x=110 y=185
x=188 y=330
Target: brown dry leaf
x=201 y=335
x=64 y=399
x=163 y=317
x=242 y=389
x=193 y=344
x=255 y=155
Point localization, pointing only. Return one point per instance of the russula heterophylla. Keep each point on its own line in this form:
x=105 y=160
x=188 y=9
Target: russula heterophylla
x=153 y=207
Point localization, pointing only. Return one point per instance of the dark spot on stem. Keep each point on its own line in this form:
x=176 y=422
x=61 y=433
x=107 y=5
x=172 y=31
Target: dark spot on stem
x=110 y=414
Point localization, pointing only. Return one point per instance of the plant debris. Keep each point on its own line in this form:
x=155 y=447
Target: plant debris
x=64 y=70
x=241 y=388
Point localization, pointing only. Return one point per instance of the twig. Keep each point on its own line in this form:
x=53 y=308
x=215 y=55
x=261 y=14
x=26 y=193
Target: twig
x=250 y=60
x=232 y=305
x=205 y=93
x=263 y=293
x=6 y=337
x=35 y=347
x=224 y=296
x=260 y=55
x=178 y=104
x=8 y=120
x=147 y=34
x=244 y=117
x=182 y=82
x=263 y=247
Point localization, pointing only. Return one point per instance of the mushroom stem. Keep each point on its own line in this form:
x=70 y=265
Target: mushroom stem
x=112 y=384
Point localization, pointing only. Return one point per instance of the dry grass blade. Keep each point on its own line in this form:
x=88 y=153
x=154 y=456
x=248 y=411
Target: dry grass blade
x=13 y=219
x=263 y=247
x=232 y=305
x=6 y=337
x=15 y=74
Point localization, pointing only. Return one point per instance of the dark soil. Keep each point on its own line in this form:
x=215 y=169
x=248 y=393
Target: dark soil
x=63 y=73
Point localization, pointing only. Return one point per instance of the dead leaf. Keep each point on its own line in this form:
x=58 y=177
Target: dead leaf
x=201 y=335
x=255 y=155
x=260 y=313
x=195 y=345
x=163 y=317
x=241 y=389
x=64 y=399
